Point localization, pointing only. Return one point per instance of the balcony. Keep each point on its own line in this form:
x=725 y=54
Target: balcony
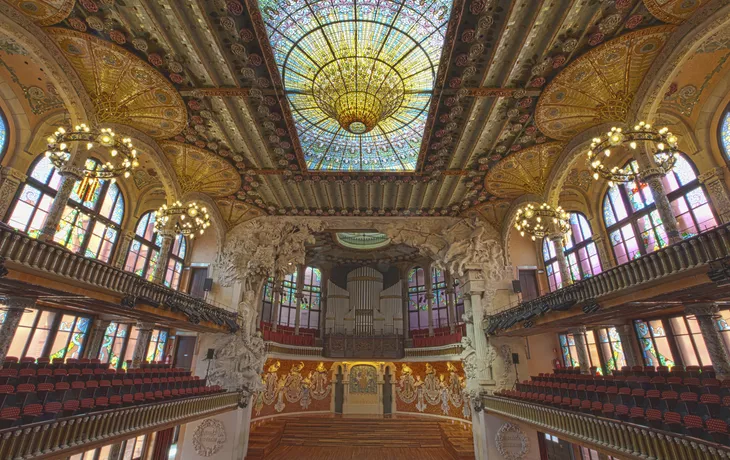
x=615 y=437
x=66 y=436
x=693 y=263
x=48 y=270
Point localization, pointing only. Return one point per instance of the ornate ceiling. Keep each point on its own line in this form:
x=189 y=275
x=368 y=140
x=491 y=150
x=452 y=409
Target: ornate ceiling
x=506 y=80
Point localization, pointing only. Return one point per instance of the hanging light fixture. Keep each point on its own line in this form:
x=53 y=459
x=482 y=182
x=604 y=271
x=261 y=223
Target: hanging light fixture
x=190 y=219
x=661 y=143
x=121 y=150
x=542 y=221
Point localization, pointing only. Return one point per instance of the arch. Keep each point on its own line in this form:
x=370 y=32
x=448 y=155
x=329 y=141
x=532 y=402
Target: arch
x=509 y=220
x=580 y=251
x=4 y=134
x=17 y=131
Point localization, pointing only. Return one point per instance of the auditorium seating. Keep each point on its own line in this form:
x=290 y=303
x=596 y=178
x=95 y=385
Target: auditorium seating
x=441 y=336
x=36 y=390
x=689 y=401
x=286 y=335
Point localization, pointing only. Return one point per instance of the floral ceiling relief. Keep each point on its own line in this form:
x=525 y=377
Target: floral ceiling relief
x=599 y=86
x=673 y=11
x=123 y=88
x=44 y=12
x=235 y=212
x=526 y=171
x=199 y=170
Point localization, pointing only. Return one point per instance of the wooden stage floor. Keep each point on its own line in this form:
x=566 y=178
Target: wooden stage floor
x=356 y=453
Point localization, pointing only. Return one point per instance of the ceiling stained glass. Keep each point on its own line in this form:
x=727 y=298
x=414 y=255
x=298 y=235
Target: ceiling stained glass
x=359 y=75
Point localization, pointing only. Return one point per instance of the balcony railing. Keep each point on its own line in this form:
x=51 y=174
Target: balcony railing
x=621 y=439
x=19 y=248
x=63 y=437
x=710 y=249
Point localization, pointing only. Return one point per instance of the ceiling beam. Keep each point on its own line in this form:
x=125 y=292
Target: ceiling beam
x=245 y=92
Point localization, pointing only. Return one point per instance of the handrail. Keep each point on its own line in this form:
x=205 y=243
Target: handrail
x=21 y=249
x=708 y=248
x=626 y=440
x=84 y=432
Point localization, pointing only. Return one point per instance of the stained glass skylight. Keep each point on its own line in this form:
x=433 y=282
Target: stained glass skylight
x=725 y=133
x=359 y=75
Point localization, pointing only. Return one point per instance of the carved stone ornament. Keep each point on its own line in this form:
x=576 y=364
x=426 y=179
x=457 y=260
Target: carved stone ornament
x=209 y=437
x=239 y=359
x=512 y=442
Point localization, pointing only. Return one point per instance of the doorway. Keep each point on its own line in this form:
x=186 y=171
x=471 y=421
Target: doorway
x=185 y=351
x=387 y=393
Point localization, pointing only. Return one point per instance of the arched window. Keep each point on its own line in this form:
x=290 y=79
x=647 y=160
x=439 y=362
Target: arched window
x=417 y=301
x=175 y=262
x=580 y=251
x=725 y=132
x=288 y=303
x=3 y=134
x=633 y=223
x=144 y=251
x=91 y=220
x=439 y=308
x=311 y=292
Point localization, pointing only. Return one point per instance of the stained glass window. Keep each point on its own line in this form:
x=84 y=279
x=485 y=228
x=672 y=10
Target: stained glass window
x=689 y=341
x=723 y=325
x=144 y=253
x=569 y=351
x=580 y=252
x=612 y=351
x=725 y=133
x=439 y=306
x=311 y=290
x=89 y=225
x=310 y=305
x=417 y=301
x=112 y=346
x=49 y=333
x=3 y=134
x=156 y=346
x=288 y=301
x=654 y=343
x=633 y=223
x=176 y=262
x=359 y=76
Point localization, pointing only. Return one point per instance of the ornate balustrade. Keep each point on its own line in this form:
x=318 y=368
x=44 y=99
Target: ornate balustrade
x=273 y=348
x=620 y=439
x=431 y=352
x=29 y=253
x=352 y=346
x=63 y=437
x=710 y=249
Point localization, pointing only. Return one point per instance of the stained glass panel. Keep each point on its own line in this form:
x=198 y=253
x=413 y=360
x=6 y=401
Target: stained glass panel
x=725 y=134
x=3 y=135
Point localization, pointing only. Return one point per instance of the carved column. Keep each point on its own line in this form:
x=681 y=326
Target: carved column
x=69 y=176
x=115 y=451
x=96 y=338
x=714 y=182
x=14 y=309
x=12 y=179
x=707 y=314
x=565 y=278
x=323 y=302
x=653 y=178
x=299 y=296
x=123 y=249
x=580 y=345
x=451 y=302
x=630 y=345
x=168 y=237
x=276 y=303
x=143 y=340
x=475 y=298
x=429 y=297
x=602 y=250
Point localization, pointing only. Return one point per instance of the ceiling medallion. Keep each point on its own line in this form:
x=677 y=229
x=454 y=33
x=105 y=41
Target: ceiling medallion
x=542 y=221
x=189 y=219
x=661 y=143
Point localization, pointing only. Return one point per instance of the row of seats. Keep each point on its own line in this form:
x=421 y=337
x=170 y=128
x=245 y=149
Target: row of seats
x=437 y=341
x=694 y=384
x=12 y=362
x=42 y=375
x=651 y=371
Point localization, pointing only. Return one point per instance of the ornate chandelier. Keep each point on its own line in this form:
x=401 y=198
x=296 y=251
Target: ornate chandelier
x=190 y=219
x=542 y=221
x=661 y=143
x=358 y=92
x=120 y=150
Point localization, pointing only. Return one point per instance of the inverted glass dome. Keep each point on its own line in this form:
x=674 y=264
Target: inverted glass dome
x=362 y=240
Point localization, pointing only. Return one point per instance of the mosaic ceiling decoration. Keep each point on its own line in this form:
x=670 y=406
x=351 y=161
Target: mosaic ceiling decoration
x=673 y=11
x=364 y=241
x=493 y=212
x=235 y=212
x=359 y=77
x=599 y=86
x=524 y=172
x=199 y=170
x=45 y=12
x=124 y=89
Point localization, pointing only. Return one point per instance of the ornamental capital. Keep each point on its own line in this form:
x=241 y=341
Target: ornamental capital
x=8 y=173
x=578 y=330
x=711 y=175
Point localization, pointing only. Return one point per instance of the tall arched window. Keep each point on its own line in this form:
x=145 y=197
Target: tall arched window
x=176 y=262
x=288 y=304
x=311 y=292
x=144 y=251
x=725 y=133
x=3 y=134
x=417 y=301
x=633 y=223
x=439 y=308
x=580 y=251
x=91 y=220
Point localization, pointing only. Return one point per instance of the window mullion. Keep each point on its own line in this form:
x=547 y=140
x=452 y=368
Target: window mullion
x=52 y=334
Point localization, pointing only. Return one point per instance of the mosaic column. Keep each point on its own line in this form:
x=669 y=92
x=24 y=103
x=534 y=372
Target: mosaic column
x=451 y=302
x=714 y=182
x=123 y=249
x=707 y=315
x=565 y=278
x=69 y=176
x=429 y=297
x=14 y=308
x=653 y=178
x=143 y=341
x=475 y=300
x=630 y=345
x=168 y=237
x=579 y=335
x=299 y=296
x=96 y=338
x=12 y=179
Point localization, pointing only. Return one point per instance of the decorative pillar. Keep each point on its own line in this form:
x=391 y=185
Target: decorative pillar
x=14 y=309
x=11 y=181
x=123 y=244
x=475 y=299
x=707 y=315
x=429 y=297
x=96 y=338
x=276 y=304
x=565 y=278
x=602 y=250
x=168 y=237
x=579 y=335
x=299 y=296
x=115 y=451
x=143 y=341
x=323 y=301
x=69 y=176
x=451 y=301
x=630 y=345
x=714 y=182
x=653 y=178
x=406 y=299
